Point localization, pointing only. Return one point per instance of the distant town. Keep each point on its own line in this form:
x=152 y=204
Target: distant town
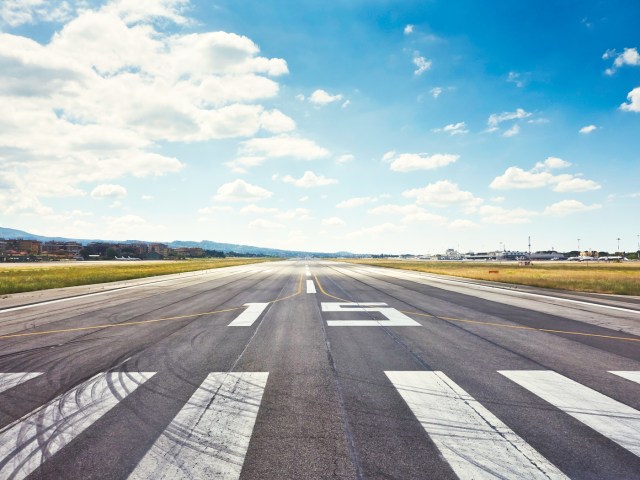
x=23 y=250
x=29 y=250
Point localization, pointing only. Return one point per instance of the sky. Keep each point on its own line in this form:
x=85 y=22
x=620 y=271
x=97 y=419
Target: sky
x=367 y=126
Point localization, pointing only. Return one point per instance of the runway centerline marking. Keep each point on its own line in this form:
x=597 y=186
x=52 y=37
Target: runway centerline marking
x=311 y=288
x=250 y=315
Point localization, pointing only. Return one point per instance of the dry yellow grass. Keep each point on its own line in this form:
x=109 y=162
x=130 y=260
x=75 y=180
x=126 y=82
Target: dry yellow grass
x=17 y=278
x=618 y=278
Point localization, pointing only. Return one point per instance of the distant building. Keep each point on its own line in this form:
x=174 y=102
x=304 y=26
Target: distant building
x=61 y=249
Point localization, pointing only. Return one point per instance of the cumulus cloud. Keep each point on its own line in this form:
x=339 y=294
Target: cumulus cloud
x=408 y=29
x=241 y=191
x=512 y=132
x=540 y=177
x=19 y=12
x=568 y=207
x=421 y=63
x=407 y=162
x=309 y=180
x=629 y=56
x=634 y=101
x=459 y=128
x=321 y=97
x=588 y=129
x=264 y=224
x=93 y=103
x=496 y=119
x=436 y=91
x=462 y=224
x=443 y=193
x=110 y=191
x=356 y=202
x=283 y=146
x=346 y=158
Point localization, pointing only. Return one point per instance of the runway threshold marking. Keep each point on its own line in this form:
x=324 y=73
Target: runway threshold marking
x=393 y=318
x=632 y=376
x=616 y=421
x=26 y=443
x=523 y=327
x=10 y=380
x=475 y=443
x=144 y=322
x=311 y=288
x=250 y=315
x=210 y=435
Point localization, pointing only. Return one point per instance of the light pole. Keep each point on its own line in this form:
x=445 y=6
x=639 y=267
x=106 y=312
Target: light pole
x=618 y=245
x=578 y=246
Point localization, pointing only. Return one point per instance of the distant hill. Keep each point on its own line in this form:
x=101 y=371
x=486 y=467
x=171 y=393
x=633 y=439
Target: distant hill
x=10 y=233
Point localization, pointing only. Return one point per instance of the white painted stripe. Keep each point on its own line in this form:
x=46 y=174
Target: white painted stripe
x=394 y=318
x=308 y=274
x=311 y=288
x=210 y=436
x=633 y=376
x=28 y=442
x=10 y=380
x=613 y=419
x=474 y=442
x=250 y=315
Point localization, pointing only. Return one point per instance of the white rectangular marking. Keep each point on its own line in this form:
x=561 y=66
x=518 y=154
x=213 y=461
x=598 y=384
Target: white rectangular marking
x=633 y=376
x=29 y=441
x=10 y=380
x=210 y=436
x=616 y=421
x=475 y=442
x=394 y=318
x=250 y=315
x=311 y=288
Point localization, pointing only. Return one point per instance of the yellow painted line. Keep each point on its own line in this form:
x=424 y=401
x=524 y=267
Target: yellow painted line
x=125 y=324
x=328 y=294
x=143 y=322
x=522 y=327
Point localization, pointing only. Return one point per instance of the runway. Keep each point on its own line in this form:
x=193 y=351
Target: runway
x=316 y=370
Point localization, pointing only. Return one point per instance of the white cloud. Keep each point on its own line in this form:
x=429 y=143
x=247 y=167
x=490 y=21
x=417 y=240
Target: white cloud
x=342 y=159
x=356 y=202
x=333 y=222
x=96 y=101
x=503 y=216
x=629 y=56
x=264 y=224
x=422 y=63
x=321 y=97
x=407 y=162
x=241 y=191
x=512 y=132
x=408 y=29
x=283 y=146
x=443 y=193
x=376 y=230
x=147 y=197
x=345 y=104
x=459 y=128
x=408 y=213
x=304 y=199
x=495 y=119
x=294 y=214
x=310 y=180
x=256 y=210
x=436 y=91
x=19 y=12
x=634 y=101
x=539 y=177
x=551 y=163
x=109 y=191
x=588 y=129
x=242 y=164
x=568 y=207
x=516 y=78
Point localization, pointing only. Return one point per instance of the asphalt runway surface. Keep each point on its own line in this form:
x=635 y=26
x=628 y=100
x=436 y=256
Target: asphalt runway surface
x=319 y=370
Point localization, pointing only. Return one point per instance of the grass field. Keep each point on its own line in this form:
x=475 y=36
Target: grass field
x=15 y=278
x=618 y=278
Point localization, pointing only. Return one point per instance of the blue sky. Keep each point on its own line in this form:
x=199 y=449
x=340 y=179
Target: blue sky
x=368 y=126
